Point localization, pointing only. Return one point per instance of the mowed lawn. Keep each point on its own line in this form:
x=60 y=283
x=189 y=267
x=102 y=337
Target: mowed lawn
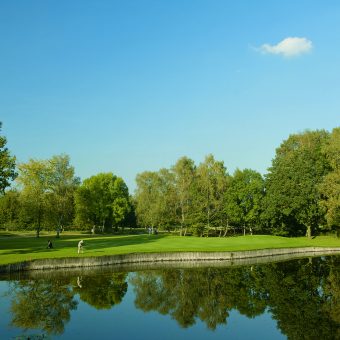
x=19 y=248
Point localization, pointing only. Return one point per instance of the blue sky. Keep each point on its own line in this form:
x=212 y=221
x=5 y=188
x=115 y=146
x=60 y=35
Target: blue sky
x=128 y=86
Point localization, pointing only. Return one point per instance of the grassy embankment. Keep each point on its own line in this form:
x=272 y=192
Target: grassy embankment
x=19 y=247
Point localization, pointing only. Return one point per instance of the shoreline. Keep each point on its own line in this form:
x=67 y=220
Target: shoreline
x=192 y=258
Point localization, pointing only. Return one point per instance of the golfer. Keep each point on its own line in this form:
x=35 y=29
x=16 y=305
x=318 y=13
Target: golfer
x=80 y=246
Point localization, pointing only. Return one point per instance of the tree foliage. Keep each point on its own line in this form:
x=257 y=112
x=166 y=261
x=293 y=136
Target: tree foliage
x=183 y=196
x=33 y=178
x=102 y=201
x=7 y=164
x=47 y=188
x=330 y=186
x=244 y=199
x=210 y=186
x=299 y=195
x=292 y=194
x=10 y=209
x=184 y=177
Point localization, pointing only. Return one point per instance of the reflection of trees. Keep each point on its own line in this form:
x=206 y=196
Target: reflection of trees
x=102 y=291
x=46 y=303
x=302 y=295
x=332 y=289
x=297 y=299
x=42 y=304
x=207 y=294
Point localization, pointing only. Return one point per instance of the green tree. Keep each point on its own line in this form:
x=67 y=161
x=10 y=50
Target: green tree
x=184 y=177
x=292 y=192
x=330 y=186
x=209 y=195
x=244 y=198
x=102 y=201
x=121 y=205
x=47 y=189
x=10 y=209
x=33 y=179
x=61 y=184
x=167 y=199
x=154 y=198
x=7 y=164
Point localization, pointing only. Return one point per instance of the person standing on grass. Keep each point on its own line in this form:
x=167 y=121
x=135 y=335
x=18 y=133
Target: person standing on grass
x=49 y=244
x=80 y=246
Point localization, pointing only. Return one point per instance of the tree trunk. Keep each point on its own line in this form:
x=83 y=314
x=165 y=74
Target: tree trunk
x=39 y=222
x=226 y=229
x=182 y=221
x=59 y=228
x=309 y=231
x=208 y=218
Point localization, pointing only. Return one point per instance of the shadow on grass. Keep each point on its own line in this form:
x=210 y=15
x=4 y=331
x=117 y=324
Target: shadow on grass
x=14 y=246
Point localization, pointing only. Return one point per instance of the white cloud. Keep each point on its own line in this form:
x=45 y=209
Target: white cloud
x=288 y=47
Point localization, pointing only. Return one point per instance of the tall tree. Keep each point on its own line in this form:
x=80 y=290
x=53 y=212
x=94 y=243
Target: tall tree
x=155 y=199
x=33 y=178
x=210 y=186
x=10 y=208
x=243 y=198
x=62 y=184
x=293 y=179
x=102 y=200
x=121 y=205
x=330 y=186
x=184 y=176
x=47 y=191
x=7 y=164
x=147 y=198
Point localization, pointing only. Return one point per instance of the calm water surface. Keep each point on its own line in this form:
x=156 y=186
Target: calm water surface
x=298 y=299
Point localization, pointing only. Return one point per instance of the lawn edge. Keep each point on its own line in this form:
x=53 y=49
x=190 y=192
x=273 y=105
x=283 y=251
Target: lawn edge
x=229 y=257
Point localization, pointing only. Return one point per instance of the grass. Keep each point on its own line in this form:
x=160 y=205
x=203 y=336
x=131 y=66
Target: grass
x=16 y=247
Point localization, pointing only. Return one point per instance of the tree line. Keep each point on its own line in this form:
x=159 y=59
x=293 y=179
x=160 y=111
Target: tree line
x=47 y=194
x=300 y=194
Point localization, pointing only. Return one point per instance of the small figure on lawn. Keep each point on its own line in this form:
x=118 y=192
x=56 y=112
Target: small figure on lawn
x=80 y=246
x=49 y=244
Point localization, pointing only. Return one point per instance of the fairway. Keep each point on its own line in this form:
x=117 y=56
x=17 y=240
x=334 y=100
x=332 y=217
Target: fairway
x=25 y=248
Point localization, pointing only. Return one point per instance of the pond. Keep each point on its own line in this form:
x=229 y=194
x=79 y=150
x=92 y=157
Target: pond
x=296 y=299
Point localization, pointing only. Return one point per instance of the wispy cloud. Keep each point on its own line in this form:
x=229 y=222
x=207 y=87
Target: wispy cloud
x=288 y=47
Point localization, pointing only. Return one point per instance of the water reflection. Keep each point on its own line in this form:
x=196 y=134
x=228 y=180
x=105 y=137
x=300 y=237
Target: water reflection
x=41 y=304
x=303 y=296
x=102 y=292
x=207 y=294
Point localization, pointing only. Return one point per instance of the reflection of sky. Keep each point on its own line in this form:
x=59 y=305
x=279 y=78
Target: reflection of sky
x=125 y=322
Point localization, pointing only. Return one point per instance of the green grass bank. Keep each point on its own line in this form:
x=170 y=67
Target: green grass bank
x=18 y=247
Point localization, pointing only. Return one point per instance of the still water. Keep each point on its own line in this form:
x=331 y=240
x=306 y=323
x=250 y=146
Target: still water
x=297 y=299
